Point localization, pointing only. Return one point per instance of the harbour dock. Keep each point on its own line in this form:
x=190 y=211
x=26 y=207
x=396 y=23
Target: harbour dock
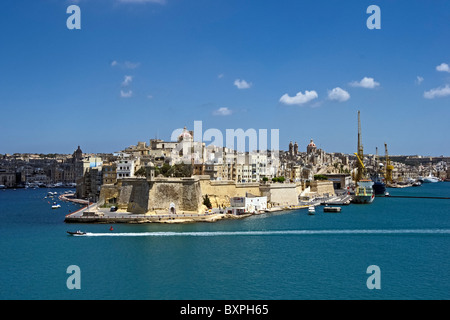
x=338 y=200
x=420 y=197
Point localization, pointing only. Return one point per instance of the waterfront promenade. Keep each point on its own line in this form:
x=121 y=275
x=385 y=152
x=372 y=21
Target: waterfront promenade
x=92 y=213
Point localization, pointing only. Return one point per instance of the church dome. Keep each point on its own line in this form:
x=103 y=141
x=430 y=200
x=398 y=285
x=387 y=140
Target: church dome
x=312 y=144
x=185 y=135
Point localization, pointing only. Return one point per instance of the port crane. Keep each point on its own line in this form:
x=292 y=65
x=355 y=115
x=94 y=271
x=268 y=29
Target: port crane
x=389 y=166
x=361 y=169
x=363 y=191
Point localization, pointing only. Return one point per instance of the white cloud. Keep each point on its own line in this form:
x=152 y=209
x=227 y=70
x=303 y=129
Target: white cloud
x=299 y=98
x=126 y=94
x=220 y=76
x=125 y=65
x=437 y=92
x=127 y=80
x=443 y=67
x=242 y=84
x=338 y=94
x=368 y=83
x=419 y=80
x=222 y=112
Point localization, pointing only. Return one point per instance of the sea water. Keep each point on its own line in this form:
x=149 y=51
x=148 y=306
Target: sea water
x=284 y=255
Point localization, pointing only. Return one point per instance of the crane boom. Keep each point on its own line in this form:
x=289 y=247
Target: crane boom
x=389 y=167
x=360 y=154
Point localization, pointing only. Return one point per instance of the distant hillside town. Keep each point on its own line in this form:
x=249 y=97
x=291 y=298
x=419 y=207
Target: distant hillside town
x=300 y=164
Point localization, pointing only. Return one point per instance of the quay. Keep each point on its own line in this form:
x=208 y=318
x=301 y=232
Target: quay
x=93 y=213
x=71 y=198
x=420 y=197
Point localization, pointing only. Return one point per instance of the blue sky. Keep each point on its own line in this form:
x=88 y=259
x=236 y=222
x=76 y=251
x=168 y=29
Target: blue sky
x=139 y=69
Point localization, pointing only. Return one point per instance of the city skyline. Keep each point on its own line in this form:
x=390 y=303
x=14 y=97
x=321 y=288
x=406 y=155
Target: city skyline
x=137 y=70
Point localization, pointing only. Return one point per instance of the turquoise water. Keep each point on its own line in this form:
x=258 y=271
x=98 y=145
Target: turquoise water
x=272 y=256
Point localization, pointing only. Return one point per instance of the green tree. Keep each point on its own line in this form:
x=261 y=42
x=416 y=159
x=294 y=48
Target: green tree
x=141 y=172
x=164 y=170
x=180 y=170
x=207 y=202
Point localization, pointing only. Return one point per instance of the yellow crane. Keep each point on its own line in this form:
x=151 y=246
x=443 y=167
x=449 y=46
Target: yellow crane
x=360 y=168
x=389 y=167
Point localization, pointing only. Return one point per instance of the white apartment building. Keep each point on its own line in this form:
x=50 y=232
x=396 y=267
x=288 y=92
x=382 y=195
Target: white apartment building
x=248 y=204
x=126 y=167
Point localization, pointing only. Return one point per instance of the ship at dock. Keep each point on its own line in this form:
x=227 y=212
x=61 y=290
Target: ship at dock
x=364 y=193
x=379 y=185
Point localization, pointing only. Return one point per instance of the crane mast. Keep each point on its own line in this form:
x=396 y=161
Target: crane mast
x=360 y=155
x=389 y=167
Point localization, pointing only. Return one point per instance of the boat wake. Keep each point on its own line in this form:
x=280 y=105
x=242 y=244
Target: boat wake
x=269 y=233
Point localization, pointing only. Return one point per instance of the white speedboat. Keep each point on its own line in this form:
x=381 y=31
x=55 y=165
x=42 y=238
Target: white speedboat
x=311 y=210
x=56 y=206
x=76 y=233
x=430 y=179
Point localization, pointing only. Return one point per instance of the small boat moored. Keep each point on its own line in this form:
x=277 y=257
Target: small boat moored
x=331 y=209
x=56 y=205
x=311 y=210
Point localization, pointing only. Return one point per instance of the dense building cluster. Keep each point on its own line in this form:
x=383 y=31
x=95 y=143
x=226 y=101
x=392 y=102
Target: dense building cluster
x=186 y=157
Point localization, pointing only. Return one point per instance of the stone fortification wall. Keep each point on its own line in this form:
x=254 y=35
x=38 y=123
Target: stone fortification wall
x=184 y=193
x=322 y=187
x=109 y=195
x=134 y=195
x=280 y=194
x=141 y=196
x=220 y=192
